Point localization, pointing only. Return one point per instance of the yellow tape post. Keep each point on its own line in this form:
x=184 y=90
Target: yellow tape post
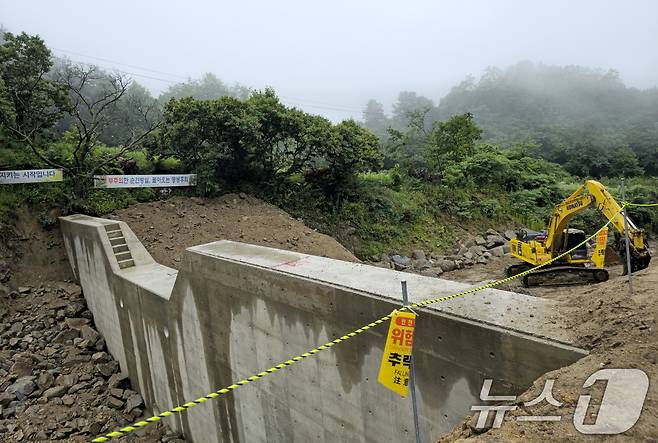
x=140 y=424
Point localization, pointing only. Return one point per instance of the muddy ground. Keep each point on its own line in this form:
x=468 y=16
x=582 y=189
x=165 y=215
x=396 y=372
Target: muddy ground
x=619 y=331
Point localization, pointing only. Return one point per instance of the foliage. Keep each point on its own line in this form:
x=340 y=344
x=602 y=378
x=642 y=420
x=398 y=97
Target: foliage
x=29 y=104
x=375 y=119
x=451 y=141
x=209 y=87
x=231 y=142
x=584 y=119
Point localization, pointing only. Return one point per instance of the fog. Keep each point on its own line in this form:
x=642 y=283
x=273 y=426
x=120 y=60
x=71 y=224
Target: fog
x=331 y=57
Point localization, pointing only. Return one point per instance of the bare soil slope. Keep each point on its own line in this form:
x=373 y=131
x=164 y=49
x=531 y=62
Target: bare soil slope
x=620 y=332
x=166 y=228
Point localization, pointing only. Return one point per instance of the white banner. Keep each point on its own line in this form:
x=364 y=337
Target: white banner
x=31 y=176
x=144 y=181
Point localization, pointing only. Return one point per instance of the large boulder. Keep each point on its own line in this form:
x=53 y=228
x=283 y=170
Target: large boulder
x=509 y=234
x=494 y=240
x=477 y=250
x=420 y=264
x=446 y=265
x=400 y=262
x=22 y=387
x=479 y=240
x=418 y=254
x=498 y=251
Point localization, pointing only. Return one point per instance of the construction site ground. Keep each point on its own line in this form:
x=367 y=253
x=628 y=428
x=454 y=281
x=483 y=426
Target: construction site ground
x=617 y=329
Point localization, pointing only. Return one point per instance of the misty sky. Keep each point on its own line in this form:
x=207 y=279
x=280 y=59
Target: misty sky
x=329 y=57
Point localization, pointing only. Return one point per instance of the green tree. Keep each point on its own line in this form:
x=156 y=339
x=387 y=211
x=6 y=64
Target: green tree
x=30 y=104
x=375 y=119
x=209 y=87
x=93 y=96
x=259 y=141
x=352 y=149
x=214 y=138
x=451 y=141
x=408 y=104
x=406 y=147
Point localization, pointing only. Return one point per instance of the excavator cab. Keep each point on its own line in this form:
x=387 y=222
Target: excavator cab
x=572 y=238
x=527 y=235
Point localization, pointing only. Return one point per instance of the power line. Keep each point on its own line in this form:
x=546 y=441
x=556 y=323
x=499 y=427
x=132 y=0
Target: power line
x=120 y=63
x=292 y=101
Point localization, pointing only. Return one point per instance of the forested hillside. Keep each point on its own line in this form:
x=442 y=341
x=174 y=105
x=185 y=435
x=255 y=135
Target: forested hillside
x=501 y=151
x=584 y=119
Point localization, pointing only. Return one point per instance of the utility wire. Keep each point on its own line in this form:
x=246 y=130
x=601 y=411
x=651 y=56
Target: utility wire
x=120 y=63
x=290 y=100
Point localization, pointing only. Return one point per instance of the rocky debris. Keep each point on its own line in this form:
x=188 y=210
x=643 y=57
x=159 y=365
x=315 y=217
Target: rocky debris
x=476 y=250
x=57 y=380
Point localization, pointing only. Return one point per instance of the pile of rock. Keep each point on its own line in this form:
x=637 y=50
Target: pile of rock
x=57 y=382
x=476 y=250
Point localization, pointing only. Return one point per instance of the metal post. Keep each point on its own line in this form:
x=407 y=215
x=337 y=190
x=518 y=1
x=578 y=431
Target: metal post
x=412 y=371
x=628 y=247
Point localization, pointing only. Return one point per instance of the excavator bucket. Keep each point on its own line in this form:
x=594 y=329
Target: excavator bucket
x=638 y=262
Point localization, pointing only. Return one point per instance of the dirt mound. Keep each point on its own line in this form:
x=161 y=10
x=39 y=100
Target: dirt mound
x=166 y=228
x=35 y=254
x=620 y=332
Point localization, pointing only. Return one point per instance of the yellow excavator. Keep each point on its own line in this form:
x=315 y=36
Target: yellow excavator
x=535 y=248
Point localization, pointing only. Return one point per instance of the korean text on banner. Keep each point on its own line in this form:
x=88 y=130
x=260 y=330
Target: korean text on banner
x=30 y=176
x=144 y=181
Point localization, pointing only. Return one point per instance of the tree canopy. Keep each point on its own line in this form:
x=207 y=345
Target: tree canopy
x=584 y=119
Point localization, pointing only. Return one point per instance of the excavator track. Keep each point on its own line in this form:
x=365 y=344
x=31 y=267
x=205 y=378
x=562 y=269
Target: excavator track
x=565 y=275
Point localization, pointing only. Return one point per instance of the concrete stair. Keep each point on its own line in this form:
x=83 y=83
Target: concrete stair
x=119 y=246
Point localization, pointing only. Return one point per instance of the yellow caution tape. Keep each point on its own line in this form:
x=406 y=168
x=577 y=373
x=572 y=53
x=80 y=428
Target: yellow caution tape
x=645 y=205
x=140 y=424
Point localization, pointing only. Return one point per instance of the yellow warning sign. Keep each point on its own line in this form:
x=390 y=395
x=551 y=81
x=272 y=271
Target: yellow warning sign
x=396 y=361
x=599 y=253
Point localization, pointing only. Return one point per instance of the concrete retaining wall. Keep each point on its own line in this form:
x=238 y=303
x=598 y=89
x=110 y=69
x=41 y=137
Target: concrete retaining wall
x=236 y=309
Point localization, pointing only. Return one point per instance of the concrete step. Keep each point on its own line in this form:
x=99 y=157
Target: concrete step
x=114 y=234
x=120 y=248
x=112 y=227
x=117 y=241
x=126 y=263
x=123 y=256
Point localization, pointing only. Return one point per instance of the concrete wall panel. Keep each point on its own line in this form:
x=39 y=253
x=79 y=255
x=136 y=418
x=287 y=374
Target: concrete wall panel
x=234 y=310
